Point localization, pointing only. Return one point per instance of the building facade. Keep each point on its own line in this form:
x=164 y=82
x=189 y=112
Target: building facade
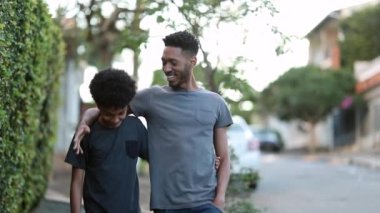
x=350 y=125
x=367 y=74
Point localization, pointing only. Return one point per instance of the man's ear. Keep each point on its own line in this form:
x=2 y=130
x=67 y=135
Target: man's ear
x=193 y=60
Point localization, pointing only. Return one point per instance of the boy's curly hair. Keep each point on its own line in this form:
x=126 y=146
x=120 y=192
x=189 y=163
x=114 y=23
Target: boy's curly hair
x=183 y=39
x=112 y=88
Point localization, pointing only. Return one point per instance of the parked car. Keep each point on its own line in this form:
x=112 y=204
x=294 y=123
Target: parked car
x=244 y=147
x=269 y=139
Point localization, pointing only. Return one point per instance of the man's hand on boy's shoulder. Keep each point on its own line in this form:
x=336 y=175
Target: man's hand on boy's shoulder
x=82 y=130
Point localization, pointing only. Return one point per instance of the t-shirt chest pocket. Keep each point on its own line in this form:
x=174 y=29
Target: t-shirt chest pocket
x=132 y=148
x=205 y=116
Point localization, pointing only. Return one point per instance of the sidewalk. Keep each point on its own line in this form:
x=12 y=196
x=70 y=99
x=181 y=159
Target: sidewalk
x=368 y=159
x=57 y=196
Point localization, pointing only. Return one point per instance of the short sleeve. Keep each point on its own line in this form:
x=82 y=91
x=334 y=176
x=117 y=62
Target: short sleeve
x=75 y=160
x=143 y=139
x=224 y=115
x=140 y=102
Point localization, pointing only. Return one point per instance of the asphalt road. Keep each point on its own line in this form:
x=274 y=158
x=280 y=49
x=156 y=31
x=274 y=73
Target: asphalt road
x=310 y=184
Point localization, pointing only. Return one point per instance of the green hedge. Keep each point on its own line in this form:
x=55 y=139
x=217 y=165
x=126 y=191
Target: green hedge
x=31 y=63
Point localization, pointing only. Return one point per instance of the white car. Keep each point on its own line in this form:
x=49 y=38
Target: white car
x=244 y=147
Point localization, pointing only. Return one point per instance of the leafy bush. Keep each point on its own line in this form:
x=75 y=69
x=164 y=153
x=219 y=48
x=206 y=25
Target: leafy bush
x=31 y=61
x=239 y=189
x=242 y=207
x=243 y=182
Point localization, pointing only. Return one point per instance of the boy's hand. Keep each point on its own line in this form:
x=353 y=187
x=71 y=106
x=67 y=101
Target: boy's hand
x=82 y=130
x=217 y=162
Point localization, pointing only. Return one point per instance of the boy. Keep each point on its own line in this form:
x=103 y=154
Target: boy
x=106 y=172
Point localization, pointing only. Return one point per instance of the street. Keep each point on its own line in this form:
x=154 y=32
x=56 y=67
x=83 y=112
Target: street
x=309 y=184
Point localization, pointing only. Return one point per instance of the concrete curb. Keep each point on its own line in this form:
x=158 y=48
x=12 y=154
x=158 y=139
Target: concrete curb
x=366 y=161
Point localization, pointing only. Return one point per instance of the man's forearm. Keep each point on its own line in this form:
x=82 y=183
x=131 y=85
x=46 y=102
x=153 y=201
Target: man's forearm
x=223 y=177
x=89 y=116
x=221 y=150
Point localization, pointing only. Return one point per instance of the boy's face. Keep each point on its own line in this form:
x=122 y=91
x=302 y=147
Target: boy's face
x=111 y=117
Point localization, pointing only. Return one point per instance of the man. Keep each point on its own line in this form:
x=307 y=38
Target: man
x=186 y=128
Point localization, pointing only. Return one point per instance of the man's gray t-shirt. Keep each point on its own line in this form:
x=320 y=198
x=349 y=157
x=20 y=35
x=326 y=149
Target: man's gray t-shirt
x=181 y=150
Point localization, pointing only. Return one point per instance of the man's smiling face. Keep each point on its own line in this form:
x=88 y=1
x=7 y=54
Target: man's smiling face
x=177 y=67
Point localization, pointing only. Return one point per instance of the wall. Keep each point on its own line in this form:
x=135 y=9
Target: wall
x=296 y=135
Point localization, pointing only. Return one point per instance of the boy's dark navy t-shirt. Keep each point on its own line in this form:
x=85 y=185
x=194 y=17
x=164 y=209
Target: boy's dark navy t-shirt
x=109 y=160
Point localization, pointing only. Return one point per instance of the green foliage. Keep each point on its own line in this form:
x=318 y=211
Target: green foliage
x=200 y=14
x=158 y=78
x=244 y=181
x=226 y=79
x=31 y=53
x=307 y=93
x=361 y=36
x=107 y=35
x=105 y=31
x=197 y=17
x=239 y=189
x=231 y=79
x=242 y=206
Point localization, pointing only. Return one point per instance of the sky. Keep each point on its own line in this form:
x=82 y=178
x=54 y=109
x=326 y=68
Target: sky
x=295 y=18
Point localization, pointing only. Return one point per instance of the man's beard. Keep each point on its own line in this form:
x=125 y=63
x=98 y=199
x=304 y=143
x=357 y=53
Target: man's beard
x=183 y=78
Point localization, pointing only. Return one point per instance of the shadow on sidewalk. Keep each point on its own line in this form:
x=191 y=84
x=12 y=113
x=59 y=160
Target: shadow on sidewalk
x=49 y=206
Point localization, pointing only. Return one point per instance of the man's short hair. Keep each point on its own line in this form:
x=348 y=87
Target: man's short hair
x=112 y=88
x=183 y=39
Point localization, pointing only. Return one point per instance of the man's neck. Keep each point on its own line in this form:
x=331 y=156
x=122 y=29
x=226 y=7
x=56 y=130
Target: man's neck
x=191 y=85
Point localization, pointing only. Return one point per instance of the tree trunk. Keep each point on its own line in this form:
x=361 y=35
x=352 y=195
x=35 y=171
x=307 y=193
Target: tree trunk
x=135 y=28
x=106 y=58
x=136 y=65
x=210 y=73
x=313 y=137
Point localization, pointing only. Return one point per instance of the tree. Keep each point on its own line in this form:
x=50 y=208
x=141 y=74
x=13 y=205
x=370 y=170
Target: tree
x=307 y=93
x=104 y=28
x=226 y=79
x=229 y=79
x=361 y=36
x=106 y=34
x=199 y=17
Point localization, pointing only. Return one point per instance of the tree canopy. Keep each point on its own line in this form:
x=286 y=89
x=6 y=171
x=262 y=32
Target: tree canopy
x=102 y=29
x=361 y=36
x=307 y=93
x=103 y=35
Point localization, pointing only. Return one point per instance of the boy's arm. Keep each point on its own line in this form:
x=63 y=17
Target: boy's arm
x=76 y=189
x=89 y=117
x=223 y=173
